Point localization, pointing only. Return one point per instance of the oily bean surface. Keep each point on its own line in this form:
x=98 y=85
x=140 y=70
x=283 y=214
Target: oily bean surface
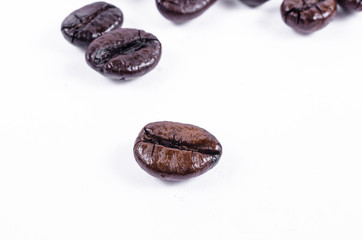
x=182 y=10
x=351 y=5
x=307 y=16
x=253 y=3
x=124 y=53
x=84 y=25
x=176 y=151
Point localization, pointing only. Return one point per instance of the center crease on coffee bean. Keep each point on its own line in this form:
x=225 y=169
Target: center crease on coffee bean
x=85 y=22
x=305 y=8
x=175 y=144
x=104 y=56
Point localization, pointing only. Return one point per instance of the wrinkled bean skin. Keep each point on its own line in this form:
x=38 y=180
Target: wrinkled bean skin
x=176 y=151
x=84 y=25
x=351 y=5
x=183 y=10
x=253 y=3
x=124 y=53
x=307 y=16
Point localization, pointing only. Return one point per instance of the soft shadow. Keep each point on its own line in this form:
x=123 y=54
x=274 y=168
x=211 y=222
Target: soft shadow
x=304 y=34
x=230 y=3
x=253 y=4
x=180 y=23
x=122 y=81
x=343 y=14
x=172 y=183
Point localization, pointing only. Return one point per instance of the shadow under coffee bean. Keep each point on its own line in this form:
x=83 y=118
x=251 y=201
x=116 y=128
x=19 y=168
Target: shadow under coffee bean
x=307 y=16
x=124 y=53
x=253 y=3
x=351 y=5
x=84 y=25
x=176 y=151
x=183 y=10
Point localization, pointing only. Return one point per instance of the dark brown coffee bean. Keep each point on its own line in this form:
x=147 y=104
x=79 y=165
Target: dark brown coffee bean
x=307 y=16
x=182 y=10
x=124 y=53
x=351 y=5
x=253 y=3
x=176 y=151
x=84 y=25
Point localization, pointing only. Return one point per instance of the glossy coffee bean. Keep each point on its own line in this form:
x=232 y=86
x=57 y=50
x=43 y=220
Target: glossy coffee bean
x=253 y=3
x=124 y=53
x=84 y=25
x=176 y=151
x=307 y=16
x=182 y=10
x=351 y=5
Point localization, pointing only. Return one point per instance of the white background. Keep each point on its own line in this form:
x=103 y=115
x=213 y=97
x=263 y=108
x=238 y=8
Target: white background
x=286 y=107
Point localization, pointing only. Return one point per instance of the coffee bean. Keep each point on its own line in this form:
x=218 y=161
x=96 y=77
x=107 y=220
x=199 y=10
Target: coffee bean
x=182 y=10
x=84 y=25
x=124 y=53
x=351 y=5
x=176 y=151
x=253 y=3
x=307 y=16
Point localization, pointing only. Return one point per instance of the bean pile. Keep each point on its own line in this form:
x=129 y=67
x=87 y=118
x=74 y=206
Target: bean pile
x=115 y=52
x=169 y=150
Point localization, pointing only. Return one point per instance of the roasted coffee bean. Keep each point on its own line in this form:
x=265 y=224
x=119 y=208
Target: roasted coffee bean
x=176 y=151
x=253 y=3
x=84 y=25
x=351 y=5
x=124 y=53
x=307 y=16
x=182 y=10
